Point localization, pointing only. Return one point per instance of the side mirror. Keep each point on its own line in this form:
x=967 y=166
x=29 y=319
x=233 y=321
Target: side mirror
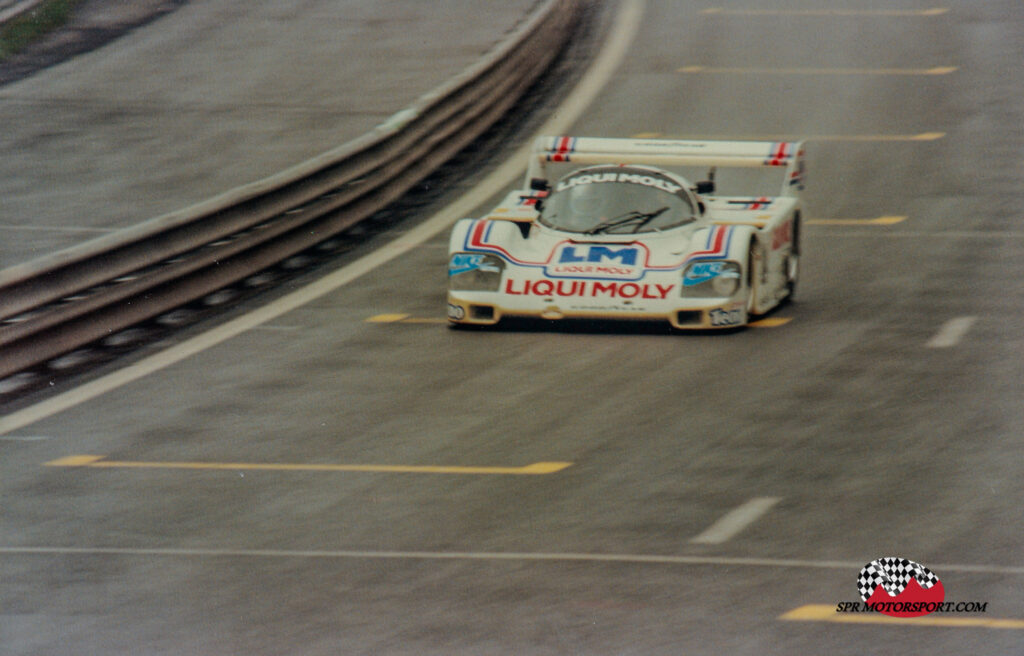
x=707 y=186
x=539 y=184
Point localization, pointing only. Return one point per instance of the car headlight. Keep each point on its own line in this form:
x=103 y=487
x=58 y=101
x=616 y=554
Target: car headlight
x=711 y=279
x=475 y=272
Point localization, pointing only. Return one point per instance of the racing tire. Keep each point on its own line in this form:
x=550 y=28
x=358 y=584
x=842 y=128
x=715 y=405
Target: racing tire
x=754 y=264
x=793 y=260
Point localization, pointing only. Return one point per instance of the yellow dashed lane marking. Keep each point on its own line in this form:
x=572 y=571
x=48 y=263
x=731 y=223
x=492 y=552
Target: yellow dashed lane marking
x=387 y=318
x=935 y=70
x=924 y=136
x=99 y=461
x=881 y=220
x=403 y=318
x=720 y=11
x=827 y=613
x=770 y=322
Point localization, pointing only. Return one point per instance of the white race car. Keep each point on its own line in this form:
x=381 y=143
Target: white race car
x=620 y=239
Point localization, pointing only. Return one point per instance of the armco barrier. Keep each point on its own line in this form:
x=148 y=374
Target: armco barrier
x=63 y=301
x=11 y=9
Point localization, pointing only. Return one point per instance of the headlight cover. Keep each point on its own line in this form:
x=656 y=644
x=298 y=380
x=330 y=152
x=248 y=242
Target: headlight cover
x=474 y=272
x=711 y=279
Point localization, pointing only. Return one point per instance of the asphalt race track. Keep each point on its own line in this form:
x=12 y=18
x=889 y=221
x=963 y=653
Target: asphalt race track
x=351 y=477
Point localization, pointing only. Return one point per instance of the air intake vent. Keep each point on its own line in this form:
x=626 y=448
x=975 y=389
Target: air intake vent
x=481 y=311
x=689 y=317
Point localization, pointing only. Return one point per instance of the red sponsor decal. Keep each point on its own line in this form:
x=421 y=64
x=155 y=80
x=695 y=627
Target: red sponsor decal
x=778 y=155
x=588 y=288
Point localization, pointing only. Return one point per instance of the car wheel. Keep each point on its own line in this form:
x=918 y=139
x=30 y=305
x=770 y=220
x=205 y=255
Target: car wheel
x=793 y=260
x=754 y=266
x=792 y=274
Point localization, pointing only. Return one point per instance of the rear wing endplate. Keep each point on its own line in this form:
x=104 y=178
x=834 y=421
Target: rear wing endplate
x=587 y=151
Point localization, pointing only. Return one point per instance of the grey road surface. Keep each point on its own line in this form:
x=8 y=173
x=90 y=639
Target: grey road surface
x=882 y=419
x=212 y=96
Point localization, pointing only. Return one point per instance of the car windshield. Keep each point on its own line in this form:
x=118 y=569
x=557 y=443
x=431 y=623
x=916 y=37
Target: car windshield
x=616 y=200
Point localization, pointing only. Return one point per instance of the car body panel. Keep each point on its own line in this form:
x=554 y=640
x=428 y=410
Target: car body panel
x=511 y=263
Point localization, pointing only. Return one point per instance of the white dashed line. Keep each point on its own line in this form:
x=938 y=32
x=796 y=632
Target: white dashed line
x=736 y=520
x=951 y=332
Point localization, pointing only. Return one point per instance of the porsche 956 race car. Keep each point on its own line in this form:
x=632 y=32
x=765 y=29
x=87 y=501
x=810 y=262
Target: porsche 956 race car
x=617 y=238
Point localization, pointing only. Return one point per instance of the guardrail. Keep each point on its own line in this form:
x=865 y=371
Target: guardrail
x=11 y=9
x=71 y=298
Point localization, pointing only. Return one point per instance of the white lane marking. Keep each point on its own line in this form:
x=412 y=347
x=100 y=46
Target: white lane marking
x=624 y=29
x=24 y=438
x=736 y=520
x=951 y=332
x=665 y=559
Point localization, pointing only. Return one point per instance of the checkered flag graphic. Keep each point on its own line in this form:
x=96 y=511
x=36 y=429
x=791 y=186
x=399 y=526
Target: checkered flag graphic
x=893 y=574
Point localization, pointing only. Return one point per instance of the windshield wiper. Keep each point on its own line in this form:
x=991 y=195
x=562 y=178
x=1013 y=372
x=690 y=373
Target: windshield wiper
x=639 y=218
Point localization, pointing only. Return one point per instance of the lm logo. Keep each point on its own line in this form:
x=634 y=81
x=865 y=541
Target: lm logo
x=626 y=256
x=597 y=261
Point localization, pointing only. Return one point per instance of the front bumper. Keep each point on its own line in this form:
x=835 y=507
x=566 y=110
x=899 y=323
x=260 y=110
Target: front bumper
x=487 y=309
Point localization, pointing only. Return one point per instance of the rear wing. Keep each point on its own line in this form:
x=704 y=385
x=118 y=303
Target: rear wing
x=586 y=151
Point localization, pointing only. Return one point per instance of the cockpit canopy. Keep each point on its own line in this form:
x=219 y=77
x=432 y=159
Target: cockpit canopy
x=617 y=200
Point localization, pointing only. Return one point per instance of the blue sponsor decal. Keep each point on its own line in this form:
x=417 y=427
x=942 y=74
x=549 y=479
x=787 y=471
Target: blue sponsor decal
x=464 y=262
x=626 y=256
x=597 y=261
x=702 y=272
